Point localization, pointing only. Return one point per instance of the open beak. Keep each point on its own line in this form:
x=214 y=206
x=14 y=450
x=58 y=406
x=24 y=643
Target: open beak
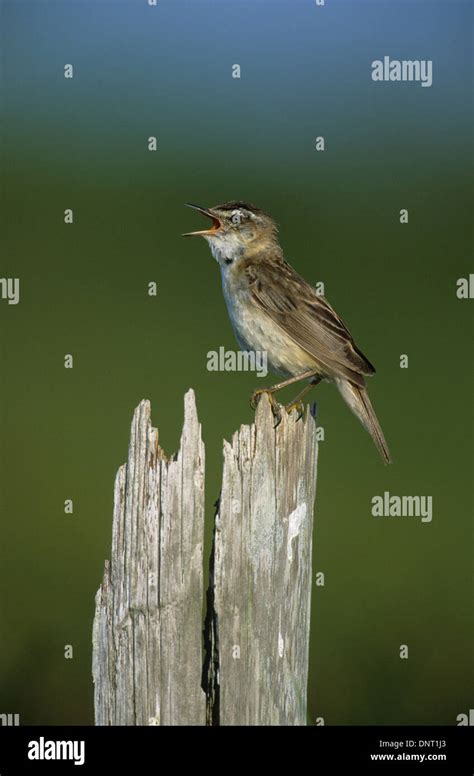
x=216 y=221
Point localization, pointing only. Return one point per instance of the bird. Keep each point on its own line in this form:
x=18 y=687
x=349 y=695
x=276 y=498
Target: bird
x=274 y=310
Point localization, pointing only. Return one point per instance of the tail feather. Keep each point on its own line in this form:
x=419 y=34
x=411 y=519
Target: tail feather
x=358 y=400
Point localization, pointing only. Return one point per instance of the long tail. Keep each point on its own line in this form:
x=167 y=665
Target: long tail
x=360 y=404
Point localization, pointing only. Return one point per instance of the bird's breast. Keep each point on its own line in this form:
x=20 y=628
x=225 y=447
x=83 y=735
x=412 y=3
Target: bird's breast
x=256 y=331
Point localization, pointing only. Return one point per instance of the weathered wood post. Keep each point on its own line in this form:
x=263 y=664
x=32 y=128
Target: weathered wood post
x=147 y=654
x=258 y=618
x=148 y=666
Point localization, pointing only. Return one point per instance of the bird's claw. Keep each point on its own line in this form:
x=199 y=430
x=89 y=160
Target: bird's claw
x=298 y=406
x=276 y=412
x=255 y=398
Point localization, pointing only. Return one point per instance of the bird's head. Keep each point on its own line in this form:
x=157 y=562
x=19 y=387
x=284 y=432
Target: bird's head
x=238 y=229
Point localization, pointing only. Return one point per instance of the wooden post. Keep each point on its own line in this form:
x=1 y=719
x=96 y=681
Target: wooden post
x=147 y=661
x=147 y=655
x=258 y=619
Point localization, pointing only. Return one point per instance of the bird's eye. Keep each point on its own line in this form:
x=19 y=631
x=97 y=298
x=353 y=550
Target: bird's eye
x=237 y=217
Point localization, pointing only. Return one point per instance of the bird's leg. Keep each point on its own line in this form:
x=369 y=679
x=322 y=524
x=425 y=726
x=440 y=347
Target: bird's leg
x=275 y=409
x=255 y=397
x=297 y=401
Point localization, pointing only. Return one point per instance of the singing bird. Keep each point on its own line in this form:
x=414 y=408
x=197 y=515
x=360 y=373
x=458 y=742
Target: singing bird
x=273 y=309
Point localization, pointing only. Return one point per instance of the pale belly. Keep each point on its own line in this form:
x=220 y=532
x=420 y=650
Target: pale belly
x=255 y=331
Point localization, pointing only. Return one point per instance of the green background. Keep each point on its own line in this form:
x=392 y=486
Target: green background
x=82 y=144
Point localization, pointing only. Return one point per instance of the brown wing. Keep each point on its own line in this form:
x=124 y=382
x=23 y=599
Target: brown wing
x=307 y=318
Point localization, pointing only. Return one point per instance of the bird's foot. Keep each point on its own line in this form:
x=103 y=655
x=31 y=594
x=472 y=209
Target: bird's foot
x=255 y=398
x=296 y=405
